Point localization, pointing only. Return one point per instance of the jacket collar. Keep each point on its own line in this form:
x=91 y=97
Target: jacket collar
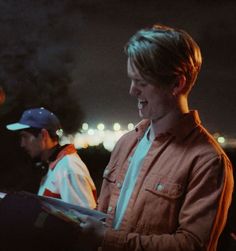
x=180 y=130
x=65 y=150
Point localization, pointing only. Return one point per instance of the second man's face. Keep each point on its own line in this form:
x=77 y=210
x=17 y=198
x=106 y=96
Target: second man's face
x=154 y=102
x=32 y=145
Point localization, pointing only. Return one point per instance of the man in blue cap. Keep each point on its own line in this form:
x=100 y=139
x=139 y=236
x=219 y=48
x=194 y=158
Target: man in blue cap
x=67 y=177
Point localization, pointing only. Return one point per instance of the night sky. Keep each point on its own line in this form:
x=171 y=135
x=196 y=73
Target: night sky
x=98 y=30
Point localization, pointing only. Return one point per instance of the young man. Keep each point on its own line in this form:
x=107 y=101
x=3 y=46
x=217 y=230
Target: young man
x=67 y=176
x=168 y=184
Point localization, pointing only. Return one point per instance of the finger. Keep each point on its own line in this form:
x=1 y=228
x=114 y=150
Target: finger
x=82 y=218
x=78 y=215
x=82 y=224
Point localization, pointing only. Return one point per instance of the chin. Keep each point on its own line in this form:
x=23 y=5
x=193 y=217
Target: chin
x=144 y=116
x=33 y=156
x=141 y=115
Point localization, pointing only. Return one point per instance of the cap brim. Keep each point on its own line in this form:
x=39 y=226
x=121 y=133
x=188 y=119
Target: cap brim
x=17 y=126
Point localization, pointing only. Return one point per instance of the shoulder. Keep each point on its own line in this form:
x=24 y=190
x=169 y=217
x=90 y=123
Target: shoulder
x=204 y=143
x=71 y=163
x=206 y=152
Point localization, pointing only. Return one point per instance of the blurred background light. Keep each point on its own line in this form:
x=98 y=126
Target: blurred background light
x=90 y=132
x=130 y=126
x=221 y=140
x=100 y=126
x=85 y=126
x=116 y=127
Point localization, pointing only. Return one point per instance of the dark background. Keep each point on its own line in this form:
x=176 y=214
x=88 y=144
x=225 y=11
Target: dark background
x=58 y=53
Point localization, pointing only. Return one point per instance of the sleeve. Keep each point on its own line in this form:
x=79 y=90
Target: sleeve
x=202 y=215
x=76 y=187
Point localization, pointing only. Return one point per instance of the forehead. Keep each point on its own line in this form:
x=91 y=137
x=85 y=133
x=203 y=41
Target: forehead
x=132 y=70
x=26 y=134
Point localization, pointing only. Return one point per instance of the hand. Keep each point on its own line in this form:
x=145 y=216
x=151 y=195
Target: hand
x=233 y=235
x=90 y=233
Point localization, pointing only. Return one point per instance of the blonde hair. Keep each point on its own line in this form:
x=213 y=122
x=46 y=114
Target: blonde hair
x=163 y=54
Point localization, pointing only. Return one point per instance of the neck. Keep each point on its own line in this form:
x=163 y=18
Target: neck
x=48 y=152
x=167 y=121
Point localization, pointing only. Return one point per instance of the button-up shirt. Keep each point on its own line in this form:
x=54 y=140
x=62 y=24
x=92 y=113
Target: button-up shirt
x=181 y=196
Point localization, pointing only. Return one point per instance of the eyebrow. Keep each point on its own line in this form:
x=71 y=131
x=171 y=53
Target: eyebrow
x=134 y=77
x=138 y=80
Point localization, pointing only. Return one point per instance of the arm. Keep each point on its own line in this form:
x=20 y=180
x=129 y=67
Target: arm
x=74 y=182
x=77 y=189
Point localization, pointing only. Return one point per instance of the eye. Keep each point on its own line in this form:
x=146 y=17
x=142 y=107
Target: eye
x=142 y=84
x=139 y=83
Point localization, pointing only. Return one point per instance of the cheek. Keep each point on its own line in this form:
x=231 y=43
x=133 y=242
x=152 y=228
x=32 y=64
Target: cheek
x=34 y=146
x=155 y=100
x=35 y=150
x=31 y=139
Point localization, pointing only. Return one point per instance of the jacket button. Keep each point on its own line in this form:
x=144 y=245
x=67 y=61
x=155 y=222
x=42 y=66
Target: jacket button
x=119 y=185
x=160 y=187
x=106 y=172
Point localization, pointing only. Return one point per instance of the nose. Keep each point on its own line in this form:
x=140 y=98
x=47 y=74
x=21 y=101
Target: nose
x=134 y=90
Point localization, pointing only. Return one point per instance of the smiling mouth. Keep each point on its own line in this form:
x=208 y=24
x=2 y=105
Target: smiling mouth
x=141 y=104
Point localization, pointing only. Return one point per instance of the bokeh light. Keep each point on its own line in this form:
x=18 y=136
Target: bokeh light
x=116 y=127
x=100 y=126
x=85 y=126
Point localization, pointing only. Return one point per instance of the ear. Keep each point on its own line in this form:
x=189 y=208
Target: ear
x=179 y=86
x=44 y=133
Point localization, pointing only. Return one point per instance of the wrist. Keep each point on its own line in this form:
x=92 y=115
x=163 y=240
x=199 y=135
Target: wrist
x=101 y=236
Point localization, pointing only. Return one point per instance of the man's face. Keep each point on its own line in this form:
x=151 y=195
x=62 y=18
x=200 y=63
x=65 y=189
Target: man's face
x=33 y=145
x=154 y=102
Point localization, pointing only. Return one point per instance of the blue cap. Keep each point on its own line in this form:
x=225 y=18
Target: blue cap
x=37 y=118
